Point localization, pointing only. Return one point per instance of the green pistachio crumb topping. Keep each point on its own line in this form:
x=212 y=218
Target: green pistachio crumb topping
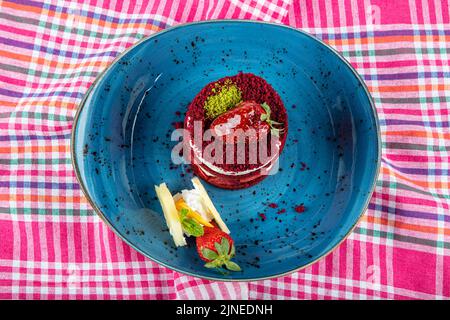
x=223 y=98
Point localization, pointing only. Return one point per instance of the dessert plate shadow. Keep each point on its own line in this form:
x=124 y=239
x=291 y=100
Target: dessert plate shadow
x=121 y=145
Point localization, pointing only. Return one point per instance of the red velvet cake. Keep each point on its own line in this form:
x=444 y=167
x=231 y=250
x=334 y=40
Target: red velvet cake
x=236 y=128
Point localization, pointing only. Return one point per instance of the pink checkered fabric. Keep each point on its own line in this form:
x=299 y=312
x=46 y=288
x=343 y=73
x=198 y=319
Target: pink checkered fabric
x=52 y=245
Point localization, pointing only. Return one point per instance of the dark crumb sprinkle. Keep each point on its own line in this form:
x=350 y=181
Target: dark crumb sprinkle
x=304 y=166
x=262 y=216
x=85 y=149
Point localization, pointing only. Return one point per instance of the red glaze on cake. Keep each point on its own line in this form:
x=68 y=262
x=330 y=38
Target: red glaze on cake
x=260 y=109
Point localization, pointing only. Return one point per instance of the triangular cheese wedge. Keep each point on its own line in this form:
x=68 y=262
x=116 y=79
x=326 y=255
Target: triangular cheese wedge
x=209 y=204
x=170 y=214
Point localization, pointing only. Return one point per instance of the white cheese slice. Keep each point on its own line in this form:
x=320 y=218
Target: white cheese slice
x=170 y=214
x=209 y=204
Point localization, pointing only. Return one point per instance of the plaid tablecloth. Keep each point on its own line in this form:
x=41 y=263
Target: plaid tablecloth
x=53 y=246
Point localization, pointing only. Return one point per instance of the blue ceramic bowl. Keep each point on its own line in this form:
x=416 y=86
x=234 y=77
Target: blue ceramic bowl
x=121 y=145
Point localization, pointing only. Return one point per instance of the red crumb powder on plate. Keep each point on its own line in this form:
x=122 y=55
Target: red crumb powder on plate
x=300 y=208
x=281 y=211
x=262 y=216
x=178 y=125
x=273 y=205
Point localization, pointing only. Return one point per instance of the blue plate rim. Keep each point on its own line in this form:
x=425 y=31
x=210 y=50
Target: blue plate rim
x=213 y=21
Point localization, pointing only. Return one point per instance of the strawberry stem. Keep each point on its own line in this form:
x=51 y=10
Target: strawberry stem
x=221 y=257
x=266 y=117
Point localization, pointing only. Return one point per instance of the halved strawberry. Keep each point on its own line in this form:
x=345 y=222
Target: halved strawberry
x=216 y=248
x=245 y=116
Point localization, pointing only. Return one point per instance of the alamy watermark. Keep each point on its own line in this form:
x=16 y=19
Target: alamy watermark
x=224 y=146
